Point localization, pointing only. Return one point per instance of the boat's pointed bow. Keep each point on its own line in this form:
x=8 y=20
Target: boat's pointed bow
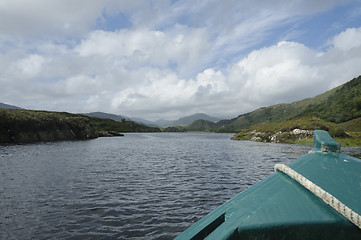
x=323 y=142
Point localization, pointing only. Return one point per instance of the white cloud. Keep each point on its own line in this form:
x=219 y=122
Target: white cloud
x=93 y=79
x=290 y=71
x=181 y=46
x=274 y=73
x=58 y=18
x=348 y=40
x=172 y=61
x=285 y=72
x=31 y=65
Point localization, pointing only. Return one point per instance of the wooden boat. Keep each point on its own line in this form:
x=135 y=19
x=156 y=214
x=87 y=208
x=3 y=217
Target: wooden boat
x=318 y=196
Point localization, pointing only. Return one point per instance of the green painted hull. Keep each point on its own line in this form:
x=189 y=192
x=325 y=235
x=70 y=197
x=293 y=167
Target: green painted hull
x=278 y=207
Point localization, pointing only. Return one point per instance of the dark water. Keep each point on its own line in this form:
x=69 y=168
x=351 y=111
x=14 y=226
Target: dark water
x=141 y=186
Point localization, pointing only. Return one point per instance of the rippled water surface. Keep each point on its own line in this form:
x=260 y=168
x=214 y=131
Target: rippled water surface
x=141 y=186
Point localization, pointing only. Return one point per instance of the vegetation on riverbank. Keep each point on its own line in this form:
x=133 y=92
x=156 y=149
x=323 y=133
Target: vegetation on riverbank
x=300 y=130
x=174 y=129
x=101 y=124
x=26 y=126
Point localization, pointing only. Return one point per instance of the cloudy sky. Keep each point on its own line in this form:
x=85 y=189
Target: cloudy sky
x=169 y=59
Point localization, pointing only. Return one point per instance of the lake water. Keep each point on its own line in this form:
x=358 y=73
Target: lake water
x=141 y=186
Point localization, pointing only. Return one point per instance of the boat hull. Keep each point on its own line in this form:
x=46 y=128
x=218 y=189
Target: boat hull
x=279 y=207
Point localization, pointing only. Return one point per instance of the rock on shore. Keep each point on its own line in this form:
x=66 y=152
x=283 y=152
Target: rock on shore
x=278 y=137
x=109 y=134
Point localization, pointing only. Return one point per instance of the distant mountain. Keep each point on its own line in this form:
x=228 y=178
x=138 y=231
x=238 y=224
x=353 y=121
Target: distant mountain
x=163 y=123
x=7 y=106
x=159 y=123
x=110 y=125
x=144 y=122
x=188 y=120
x=106 y=116
x=106 y=122
x=202 y=125
x=184 y=121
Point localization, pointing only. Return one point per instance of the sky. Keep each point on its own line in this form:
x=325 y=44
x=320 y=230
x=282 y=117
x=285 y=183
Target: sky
x=166 y=59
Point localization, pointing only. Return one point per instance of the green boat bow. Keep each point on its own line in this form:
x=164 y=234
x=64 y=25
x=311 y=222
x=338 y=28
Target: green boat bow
x=280 y=207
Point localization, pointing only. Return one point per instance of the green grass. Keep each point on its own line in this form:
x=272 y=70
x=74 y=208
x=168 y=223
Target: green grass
x=352 y=126
x=308 y=141
x=353 y=140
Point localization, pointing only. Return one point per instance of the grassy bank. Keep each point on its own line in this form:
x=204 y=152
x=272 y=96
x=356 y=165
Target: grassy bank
x=299 y=131
x=26 y=126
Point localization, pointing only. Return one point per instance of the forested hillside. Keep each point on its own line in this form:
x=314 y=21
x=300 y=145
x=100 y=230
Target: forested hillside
x=342 y=105
x=338 y=105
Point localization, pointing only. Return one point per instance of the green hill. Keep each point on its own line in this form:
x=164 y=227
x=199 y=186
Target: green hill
x=184 y=121
x=338 y=105
x=343 y=104
x=271 y=114
x=337 y=111
x=202 y=125
x=174 y=129
x=105 y=116
x=7 y=106
x=188 y=120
